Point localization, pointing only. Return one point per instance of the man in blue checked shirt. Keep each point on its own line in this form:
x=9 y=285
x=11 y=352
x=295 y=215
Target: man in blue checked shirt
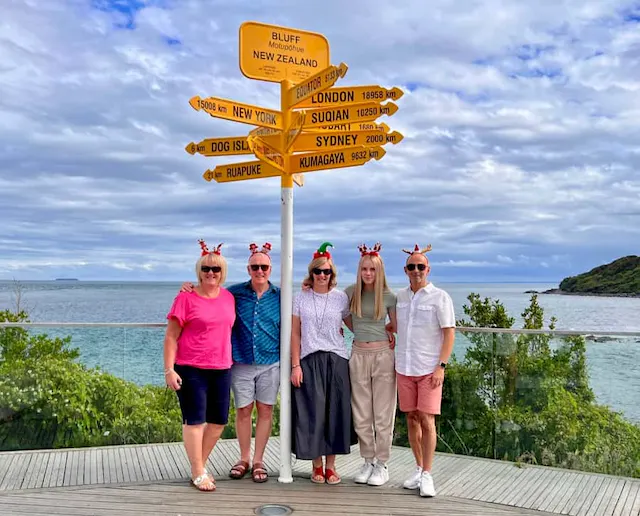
x=256 y=360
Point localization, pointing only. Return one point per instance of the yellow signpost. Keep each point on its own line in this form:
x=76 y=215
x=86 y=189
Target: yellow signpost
x=350 y=95
x=220 y=146
x=273 y=53
x=318 y=127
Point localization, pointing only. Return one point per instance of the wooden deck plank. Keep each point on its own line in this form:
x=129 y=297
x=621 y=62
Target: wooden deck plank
x=241 y=498
x=472 y=479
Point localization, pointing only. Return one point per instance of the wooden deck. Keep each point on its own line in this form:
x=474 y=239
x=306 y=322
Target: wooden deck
x=143 y=479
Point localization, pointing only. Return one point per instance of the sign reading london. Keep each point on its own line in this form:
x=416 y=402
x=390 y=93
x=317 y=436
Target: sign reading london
x=273 y=53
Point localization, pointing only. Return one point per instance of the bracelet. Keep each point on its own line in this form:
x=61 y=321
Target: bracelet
x=168 y=370
x=294 y=366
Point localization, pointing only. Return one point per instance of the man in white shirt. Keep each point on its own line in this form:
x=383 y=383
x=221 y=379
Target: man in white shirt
x=426 y=333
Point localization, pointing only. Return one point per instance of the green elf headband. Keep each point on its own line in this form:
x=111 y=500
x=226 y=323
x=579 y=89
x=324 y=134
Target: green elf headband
x=322 y=251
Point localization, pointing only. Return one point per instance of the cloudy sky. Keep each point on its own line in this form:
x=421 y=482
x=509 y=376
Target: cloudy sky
x=521 y=124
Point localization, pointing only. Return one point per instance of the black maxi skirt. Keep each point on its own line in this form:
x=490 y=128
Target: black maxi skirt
x=321 y=408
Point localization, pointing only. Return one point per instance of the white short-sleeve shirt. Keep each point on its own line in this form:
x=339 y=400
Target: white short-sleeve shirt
x=321 y=318
x=421 y=317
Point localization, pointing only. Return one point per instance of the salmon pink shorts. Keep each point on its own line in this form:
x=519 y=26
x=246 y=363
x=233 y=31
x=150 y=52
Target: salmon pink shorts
x=418 y=393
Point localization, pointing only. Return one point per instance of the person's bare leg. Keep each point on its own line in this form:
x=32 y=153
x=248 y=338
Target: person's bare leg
x=192 y=436
x=331 y=464
x=243 y=431
x=210 y=437
x=429 y=440
x=263 y=429
x=414 y=430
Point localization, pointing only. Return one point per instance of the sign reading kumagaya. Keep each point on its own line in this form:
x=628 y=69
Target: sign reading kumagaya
x=241 y=172
x=274 y=53
x=351 y=95
x=339 y=158
x=346 y=114
x=238 y=112
x=220 y=146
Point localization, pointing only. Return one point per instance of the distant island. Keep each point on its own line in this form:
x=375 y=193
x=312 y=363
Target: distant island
x=66 y=279
x=618 y=278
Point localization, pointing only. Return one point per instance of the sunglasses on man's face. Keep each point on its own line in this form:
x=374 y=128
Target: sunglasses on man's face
x=326 y=272
x=213 y=268
x=263 y=266
x=412 y=266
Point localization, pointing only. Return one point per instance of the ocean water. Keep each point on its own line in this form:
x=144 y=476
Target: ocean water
x=136 y=353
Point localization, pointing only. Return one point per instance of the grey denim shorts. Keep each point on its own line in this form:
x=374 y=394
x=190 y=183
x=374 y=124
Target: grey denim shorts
x=255 y=382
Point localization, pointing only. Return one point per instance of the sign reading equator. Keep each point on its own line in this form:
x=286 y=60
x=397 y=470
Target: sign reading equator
x=273 y=53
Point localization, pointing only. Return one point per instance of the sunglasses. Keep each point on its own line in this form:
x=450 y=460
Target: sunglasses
x=326 y=272
x=213 y=268
x=263 y=266
x=420 y=266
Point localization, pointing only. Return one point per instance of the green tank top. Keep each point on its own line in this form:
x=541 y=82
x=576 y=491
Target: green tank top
x=366 y=328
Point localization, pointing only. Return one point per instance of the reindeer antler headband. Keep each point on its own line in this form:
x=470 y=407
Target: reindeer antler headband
x=374 y=251
x=417 y=249
x=322 y=251
x=266 y=248
x=205 y=249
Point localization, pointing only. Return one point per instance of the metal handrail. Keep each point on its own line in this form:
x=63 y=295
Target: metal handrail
x=464 y=329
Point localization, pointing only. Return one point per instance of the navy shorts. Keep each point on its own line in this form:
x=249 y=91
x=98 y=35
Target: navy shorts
x=204 y=395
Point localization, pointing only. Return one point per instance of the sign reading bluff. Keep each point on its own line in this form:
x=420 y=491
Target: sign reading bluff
x=241 y=171
x=274 y=53
x=340 y=158
x=238 y=112
x=343 y=115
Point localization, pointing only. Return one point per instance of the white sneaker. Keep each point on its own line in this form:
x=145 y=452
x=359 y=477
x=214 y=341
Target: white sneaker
x=413 y=482
x=365 y=472
x=380 y=475
x=426 y=485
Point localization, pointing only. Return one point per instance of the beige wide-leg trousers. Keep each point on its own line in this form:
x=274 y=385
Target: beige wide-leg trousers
x=373 y=399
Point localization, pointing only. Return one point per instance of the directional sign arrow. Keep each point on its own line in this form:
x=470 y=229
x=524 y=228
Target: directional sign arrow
x=312 y=161
x=237 y=112
x=334 y=139
x=350 y=95
x=220 y=146
x=314 y=84
x=241 y=171
x=348 y=114
x=357 y=126
x=266 y=152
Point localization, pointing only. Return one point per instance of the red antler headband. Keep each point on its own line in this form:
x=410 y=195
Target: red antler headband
x=266 y=248
x=417 y=249
x=365 y=251
x=322 y=251
x=205 y=249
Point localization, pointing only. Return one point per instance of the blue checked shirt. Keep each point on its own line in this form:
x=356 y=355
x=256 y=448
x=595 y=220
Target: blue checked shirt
x=255 y=338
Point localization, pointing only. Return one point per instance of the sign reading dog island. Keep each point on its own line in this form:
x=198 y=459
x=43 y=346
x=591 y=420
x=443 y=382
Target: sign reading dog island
x=273 y=53
x=317 y=127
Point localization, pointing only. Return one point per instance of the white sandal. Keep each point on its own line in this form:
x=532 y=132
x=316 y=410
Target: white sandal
x=202 y=479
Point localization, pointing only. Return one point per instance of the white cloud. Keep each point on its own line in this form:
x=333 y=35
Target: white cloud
x=520 y=156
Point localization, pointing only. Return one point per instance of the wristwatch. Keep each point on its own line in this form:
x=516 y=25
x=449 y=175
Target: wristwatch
x=443 y=365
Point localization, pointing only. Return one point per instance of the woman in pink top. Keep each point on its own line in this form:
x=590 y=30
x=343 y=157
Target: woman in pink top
x=197 y=360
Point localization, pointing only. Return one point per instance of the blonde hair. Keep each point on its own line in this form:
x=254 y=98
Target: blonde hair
x=317 y=263
x=212 y=259
x=380 y=286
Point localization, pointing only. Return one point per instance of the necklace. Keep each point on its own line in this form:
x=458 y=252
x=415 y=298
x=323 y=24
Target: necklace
x=320 y=323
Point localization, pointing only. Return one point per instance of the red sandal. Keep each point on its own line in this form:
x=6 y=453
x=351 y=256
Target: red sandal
x=317 y=472
x=332 y=473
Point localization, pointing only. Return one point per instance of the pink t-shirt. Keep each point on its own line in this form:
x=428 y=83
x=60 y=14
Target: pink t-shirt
x=205 y=340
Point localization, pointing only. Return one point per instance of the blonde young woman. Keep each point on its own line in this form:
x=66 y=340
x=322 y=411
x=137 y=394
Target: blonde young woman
x=197 y=361
x=321 y=398
x=372 y=365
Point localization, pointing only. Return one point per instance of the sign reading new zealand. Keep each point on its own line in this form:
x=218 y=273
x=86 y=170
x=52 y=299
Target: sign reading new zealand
x=273 y=53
